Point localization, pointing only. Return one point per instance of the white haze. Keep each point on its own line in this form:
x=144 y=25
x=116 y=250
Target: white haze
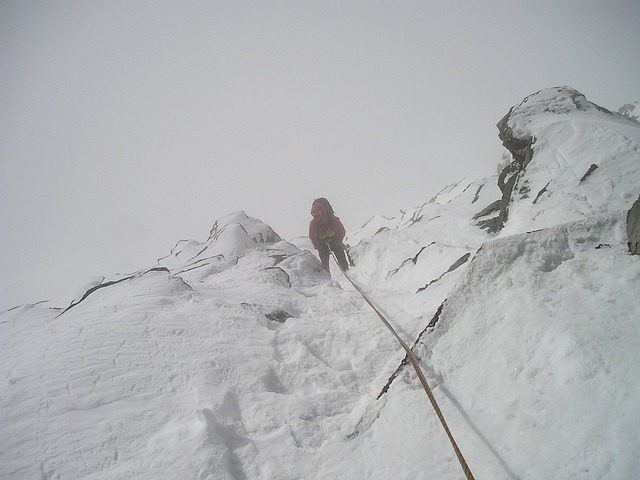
x=129 y=126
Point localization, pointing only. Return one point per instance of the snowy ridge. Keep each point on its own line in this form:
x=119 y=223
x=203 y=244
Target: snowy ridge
x=240 y=358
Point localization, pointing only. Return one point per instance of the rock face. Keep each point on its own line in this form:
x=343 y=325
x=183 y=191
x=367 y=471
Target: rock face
x=522 y=154
x=633 y=228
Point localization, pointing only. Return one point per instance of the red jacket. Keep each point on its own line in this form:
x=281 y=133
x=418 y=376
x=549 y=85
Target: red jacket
x=325 y=228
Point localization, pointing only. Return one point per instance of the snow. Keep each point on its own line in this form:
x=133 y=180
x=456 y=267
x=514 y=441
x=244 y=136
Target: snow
x=240 y=358
x=562 y=349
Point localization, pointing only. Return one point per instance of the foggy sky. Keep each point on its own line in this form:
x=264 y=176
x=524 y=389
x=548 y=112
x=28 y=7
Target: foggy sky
x=127 y=126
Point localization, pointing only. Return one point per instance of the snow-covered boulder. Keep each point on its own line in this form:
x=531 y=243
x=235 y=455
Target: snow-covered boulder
x=230 y=237
x=568 y=153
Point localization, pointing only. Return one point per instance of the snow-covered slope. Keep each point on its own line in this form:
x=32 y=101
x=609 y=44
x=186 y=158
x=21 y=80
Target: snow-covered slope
x=240 y=358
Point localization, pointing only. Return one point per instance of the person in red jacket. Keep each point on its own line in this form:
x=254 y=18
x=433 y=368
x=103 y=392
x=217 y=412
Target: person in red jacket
x=326 y=232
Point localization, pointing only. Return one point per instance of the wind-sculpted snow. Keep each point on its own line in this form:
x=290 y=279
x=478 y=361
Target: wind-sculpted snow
x=231 y=236
x=149 y=378
x=548 y=317
x=240 y=358
x=549 y=104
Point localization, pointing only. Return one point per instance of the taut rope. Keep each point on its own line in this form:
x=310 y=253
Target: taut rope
x=416 y=367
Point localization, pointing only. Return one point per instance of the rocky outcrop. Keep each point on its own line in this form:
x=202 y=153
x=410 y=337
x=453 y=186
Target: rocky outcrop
x=633 y=228
x=514 y=130
x=498 y=212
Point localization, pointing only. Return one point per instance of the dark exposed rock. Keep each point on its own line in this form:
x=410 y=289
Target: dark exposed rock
x=592 y=169
x=633 y=228
x=494 y=222
x=522 y=152
x=477 y=195
x=405 y=360
x=279 y=316
x=541 y=192
x=394 y=375
x=457 y=264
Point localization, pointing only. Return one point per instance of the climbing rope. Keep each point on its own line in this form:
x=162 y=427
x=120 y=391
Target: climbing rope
x=416 y=367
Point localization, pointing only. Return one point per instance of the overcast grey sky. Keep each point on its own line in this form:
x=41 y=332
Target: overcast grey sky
x=126 y=126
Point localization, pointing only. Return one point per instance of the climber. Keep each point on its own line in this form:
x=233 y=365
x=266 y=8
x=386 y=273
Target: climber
x=326 y=232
